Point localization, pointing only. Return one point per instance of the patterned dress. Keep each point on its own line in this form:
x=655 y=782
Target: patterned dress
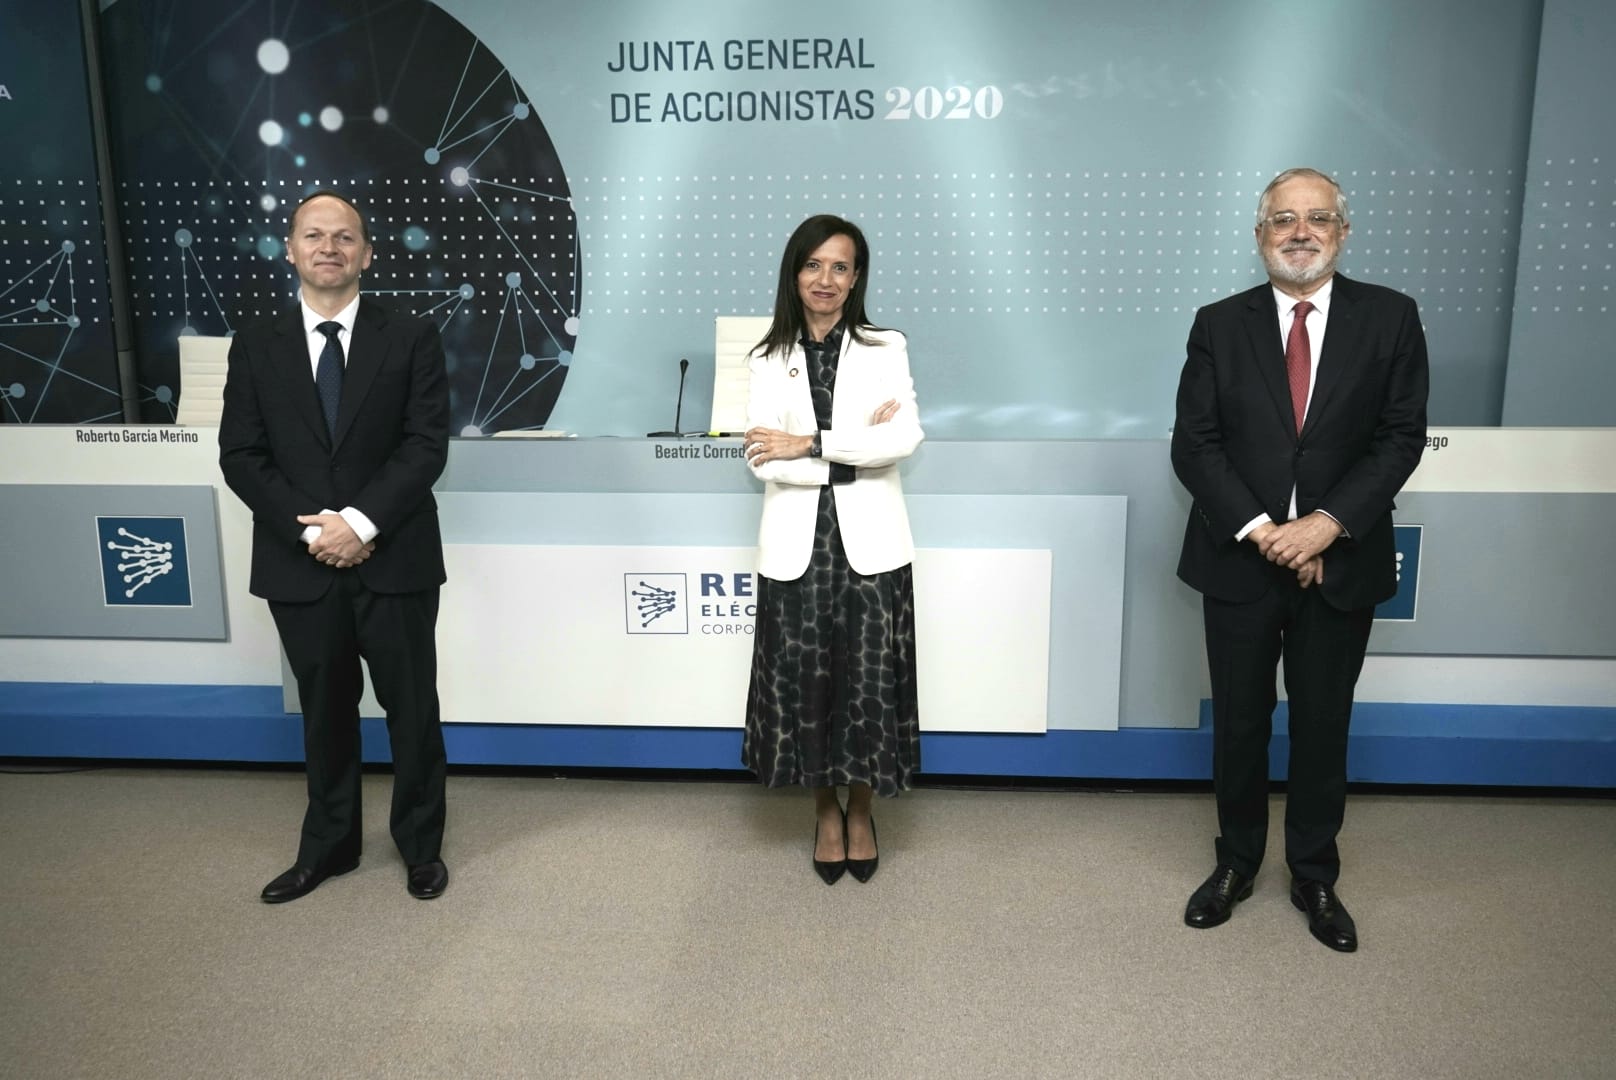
x=832 y=699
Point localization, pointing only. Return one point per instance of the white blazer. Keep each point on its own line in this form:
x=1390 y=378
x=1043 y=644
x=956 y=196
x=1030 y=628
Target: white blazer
x=870 y=510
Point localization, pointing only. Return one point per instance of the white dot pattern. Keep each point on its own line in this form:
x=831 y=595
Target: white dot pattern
x=1563 y=311
x=1139 y=250
x=1100 y=242
x=1569 y=248
x=55 y=331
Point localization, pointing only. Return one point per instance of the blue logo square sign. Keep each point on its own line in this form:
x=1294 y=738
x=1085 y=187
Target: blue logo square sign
x=1401 y=607
x=655 y=604
x=143 y=561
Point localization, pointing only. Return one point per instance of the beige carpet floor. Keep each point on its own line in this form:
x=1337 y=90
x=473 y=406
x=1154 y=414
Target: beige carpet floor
x=654 y=929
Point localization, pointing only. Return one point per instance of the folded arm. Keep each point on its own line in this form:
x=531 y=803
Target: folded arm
x=889 y=432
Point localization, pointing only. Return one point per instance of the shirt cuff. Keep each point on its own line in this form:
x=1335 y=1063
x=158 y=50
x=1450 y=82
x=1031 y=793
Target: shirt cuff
x=312 y=532
x=1337 y=520
x=1252 y=524
x=362 y=526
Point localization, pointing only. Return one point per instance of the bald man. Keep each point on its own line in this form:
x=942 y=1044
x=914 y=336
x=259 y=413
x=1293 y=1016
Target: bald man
x=335 y=426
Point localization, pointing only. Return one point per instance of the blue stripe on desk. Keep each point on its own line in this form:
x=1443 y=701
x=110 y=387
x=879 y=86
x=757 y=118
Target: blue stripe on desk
x=1537 y=746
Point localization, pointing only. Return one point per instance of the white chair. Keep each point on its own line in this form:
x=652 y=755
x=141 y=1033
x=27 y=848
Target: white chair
x=203 y=363
x=733 y=338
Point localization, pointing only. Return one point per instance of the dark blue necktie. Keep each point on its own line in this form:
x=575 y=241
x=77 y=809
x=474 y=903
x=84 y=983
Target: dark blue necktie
x=328 y=375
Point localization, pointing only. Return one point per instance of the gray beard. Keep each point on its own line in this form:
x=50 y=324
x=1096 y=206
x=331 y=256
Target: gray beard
x=1281 y=270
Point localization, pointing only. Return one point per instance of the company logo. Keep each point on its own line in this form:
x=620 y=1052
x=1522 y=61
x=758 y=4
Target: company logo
x=1400 y=608
x=709 y=603
x=143 y=562
x=656 y=604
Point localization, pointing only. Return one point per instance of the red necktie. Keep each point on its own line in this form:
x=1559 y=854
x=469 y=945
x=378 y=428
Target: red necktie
x=1299 y=361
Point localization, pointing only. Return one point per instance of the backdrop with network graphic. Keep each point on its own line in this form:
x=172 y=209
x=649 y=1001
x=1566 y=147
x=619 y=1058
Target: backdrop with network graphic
x=223 y=118
x=1050 y=191
x=56 y=349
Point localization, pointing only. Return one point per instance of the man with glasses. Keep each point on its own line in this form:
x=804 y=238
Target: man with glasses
x=1301 y=412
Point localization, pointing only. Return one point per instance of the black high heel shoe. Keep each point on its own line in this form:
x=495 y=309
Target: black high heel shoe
x=830 y=872
x=864 y=869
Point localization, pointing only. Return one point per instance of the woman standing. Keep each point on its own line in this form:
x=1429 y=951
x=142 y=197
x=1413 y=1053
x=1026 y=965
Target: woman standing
x=830 y=413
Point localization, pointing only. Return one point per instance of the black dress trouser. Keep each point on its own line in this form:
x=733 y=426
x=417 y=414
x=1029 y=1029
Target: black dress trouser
x=1322 y=651
x=324 y=641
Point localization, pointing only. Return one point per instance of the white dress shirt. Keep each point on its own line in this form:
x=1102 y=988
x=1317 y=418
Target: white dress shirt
x=357 y=521
x=1316 y=320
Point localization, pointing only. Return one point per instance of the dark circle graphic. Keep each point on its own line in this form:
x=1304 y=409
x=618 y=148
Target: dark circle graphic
x=220 y=128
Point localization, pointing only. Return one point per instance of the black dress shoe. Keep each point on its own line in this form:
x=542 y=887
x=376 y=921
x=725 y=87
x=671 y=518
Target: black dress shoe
x=864 y=869
x=428 y=880
x=830 y=871
x=300 y=881
x=1212 y=903
x=1327 y=920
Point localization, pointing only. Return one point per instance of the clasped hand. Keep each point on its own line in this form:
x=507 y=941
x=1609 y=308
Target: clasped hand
x=337 y=545
x=1298 y=545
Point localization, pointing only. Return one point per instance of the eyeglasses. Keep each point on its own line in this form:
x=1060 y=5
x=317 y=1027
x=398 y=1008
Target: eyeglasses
x=1285 y=221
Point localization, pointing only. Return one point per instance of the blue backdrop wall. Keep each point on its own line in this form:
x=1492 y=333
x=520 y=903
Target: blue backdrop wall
x=575 y=191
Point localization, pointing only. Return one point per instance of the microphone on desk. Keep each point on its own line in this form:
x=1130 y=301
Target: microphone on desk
x=678 y=407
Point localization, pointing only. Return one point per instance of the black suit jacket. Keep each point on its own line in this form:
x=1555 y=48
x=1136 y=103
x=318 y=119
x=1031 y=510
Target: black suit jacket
x=1236 y=449
x=391 y=443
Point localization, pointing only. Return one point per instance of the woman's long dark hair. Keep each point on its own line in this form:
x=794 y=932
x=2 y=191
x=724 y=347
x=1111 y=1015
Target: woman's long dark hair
x=788 y=325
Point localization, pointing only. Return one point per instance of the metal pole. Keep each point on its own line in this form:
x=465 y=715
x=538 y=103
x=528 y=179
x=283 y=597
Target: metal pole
x=123 y=323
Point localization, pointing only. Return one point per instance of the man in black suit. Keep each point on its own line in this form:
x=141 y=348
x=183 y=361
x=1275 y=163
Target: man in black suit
x=335 y=425
x=1301 y=412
